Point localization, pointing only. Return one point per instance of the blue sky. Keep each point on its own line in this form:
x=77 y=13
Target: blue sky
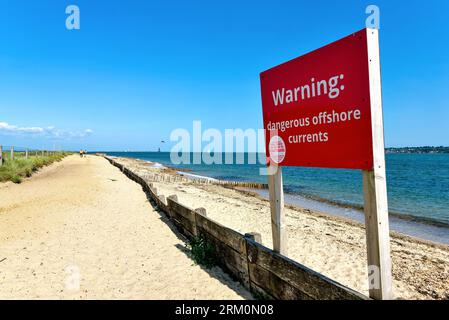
x=136 y=70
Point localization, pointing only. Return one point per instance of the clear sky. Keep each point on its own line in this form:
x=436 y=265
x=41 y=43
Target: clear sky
x=136 y=70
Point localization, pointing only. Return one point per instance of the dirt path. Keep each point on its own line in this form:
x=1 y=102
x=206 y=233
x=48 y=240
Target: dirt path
x=81 y=230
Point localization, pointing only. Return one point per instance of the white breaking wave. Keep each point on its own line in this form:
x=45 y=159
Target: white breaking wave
x=195 y=176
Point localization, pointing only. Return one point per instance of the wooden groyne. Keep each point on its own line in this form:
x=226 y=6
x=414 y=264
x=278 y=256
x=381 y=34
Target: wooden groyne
x=163 y=177
x=261 y=270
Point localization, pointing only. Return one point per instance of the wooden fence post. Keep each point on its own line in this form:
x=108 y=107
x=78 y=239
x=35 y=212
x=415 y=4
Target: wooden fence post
x=173 y=197
x=1 y=156
x=12 y=153
x=255 y=236
x=201 y=211
x=276 y=192
x=26 y=154
x=375 y=186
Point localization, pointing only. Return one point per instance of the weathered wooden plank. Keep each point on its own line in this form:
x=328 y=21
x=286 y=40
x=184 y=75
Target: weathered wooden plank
x=275 y=286
x=313 y=284
x=162 y=204
x=259 y=292
x=230 y=237
x=184 y=216
x=234 y=257
x=182 y=210
x=186 y=224
x=235 y=262
x=153 y=192
x=182 y=226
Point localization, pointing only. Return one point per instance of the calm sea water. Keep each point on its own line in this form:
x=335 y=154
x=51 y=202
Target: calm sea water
x=418 y=184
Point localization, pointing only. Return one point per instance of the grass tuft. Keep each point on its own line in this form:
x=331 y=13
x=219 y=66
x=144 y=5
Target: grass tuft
x=19 y=168
x=202 y=252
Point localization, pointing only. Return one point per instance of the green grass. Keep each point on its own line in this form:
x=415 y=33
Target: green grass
x=19 y=168
x=202 y=252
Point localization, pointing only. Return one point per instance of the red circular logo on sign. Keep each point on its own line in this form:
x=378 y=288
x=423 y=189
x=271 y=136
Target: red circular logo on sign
x=277 y=149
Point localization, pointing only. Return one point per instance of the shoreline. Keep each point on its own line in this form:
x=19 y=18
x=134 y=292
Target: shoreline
x=405 y=224
x=351 y=221
x=411 y=228
x=358 y=207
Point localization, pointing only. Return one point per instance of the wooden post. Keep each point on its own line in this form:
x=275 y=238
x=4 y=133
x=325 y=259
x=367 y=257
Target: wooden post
x=255 y=236
x=201 y=211
x=173 y=197
x=276 y=192
x=1 y=156
x=26 y=154
x=375 y=186
x=12 y=153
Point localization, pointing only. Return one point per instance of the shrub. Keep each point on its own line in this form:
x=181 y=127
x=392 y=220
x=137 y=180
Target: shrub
x=202 y=252
x=16 y=179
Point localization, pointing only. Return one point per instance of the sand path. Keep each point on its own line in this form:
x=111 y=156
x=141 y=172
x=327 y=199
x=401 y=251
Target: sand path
x=81 y=222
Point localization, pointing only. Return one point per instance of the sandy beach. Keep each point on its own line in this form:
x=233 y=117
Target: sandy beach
x=80 y=229
x=330 y=245
x=83 y=221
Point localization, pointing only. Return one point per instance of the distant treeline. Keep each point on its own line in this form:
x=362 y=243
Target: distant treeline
x=426 y=149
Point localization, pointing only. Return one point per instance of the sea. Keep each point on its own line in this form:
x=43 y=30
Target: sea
x=417 y=184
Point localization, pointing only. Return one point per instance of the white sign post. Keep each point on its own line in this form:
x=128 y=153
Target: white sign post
x=375 y=186
x=321 y=141
x=276 y=191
